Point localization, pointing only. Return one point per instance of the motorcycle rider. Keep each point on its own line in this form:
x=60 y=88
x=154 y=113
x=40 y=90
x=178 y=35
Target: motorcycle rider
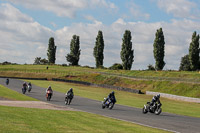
x=69 y=96
x=51 y=91
x=111 y=96
x=70 y=93
x=24 y=85
x=7 y=81
x=154 y=100
x=24 y=88
x=29 y=86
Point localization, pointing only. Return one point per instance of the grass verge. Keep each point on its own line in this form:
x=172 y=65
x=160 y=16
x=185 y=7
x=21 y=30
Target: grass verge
x=123 y=98
x=6 y=93
x=23 y=120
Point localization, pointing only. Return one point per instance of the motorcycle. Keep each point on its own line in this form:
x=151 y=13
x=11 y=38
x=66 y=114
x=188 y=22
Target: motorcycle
x=107 y=104
x=68 y=98
x=156 y=108
x=23 y=90
x=29 y=88
x=48 y=95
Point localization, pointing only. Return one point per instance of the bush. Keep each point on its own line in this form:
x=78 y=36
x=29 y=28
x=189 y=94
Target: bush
x=64 y=64
x=7 y=63
x=87 y=67
x=101 y=67
x=116 y=66
x=40 y=61
x=151 y=67
x=185 y=63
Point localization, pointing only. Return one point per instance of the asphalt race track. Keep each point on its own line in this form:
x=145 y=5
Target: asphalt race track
x=166 y=121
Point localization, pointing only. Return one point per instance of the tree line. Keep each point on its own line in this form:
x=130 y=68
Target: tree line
x=189 y=62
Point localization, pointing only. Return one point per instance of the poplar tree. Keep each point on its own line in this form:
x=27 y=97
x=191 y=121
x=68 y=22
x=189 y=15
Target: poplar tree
x=194 y=52
x=126 y=51
x=159 y=49
x=74 y=55
x=51 y=52
x=98 y=50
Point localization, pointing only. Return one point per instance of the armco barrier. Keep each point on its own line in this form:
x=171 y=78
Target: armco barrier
x=24 y=78
x=100 y=85
x=170 y=96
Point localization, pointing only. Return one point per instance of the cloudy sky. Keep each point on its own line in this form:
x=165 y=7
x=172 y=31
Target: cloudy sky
x=27 y=25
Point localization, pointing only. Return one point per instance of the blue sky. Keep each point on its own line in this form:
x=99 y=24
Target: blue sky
x=26 y=26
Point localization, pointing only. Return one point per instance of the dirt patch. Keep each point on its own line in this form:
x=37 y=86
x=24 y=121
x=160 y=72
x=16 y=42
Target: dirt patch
x=34 y=104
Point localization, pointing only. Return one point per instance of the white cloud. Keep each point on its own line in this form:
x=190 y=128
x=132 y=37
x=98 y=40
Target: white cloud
x=179 y=8
x=89 y=17
x=120 y=21
x=136 y=12
x=9 y=13
x=66 y=8
x=23 y=39
x=104 y=3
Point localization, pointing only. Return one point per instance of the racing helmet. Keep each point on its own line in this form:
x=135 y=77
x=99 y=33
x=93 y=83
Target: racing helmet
x=158 y=96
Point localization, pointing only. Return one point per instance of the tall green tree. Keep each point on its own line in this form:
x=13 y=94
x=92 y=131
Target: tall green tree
x=159 y=49
x=51 y=52
x=74 y=55
x=126 y=51
x=194 y=52
x=98 y=50
x=185 y=63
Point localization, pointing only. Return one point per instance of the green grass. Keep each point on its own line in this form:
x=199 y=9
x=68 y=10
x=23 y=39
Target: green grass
x=13 y=95
x=26 y=120
x=123 y=98
x=176 y=88
x=63 y=71
x=143 y=80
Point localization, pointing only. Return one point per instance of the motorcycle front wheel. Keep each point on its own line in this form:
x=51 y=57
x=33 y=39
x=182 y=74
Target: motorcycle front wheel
x=144 y=110
x=66 y=101
x=103 y=106
x=158 y=111
x=111 y=105
x=48 y=98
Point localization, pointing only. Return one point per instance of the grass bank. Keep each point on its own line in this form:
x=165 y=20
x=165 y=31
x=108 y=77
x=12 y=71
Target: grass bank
x=6 y=93
x=21 y=120
x=123 y=98
x=172 y=82
x=176 y=88
x=73 y=71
